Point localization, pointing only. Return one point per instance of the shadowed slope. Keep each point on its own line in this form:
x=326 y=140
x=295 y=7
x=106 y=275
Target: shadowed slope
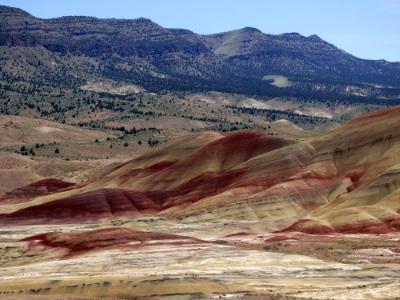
x=38 y=188
x=90 y=206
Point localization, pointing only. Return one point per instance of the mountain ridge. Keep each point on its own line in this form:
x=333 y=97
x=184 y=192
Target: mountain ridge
x=142 y=52
x=315 y=37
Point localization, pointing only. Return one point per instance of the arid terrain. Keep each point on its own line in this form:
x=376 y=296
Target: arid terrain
x=144 y=162
x=242 y=215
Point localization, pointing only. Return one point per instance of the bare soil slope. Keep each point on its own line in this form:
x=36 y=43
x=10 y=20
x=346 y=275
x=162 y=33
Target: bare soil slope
x=343 y=181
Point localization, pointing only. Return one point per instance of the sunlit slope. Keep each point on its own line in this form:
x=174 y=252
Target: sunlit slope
x=343 y=181
x=366 y=155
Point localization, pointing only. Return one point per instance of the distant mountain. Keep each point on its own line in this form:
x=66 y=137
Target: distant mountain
x=142 y=52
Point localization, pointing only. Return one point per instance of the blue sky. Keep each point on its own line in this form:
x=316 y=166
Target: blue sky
x=365 y=28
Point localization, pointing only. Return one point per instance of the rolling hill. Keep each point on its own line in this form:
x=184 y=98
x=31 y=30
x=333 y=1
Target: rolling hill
x=345 y=180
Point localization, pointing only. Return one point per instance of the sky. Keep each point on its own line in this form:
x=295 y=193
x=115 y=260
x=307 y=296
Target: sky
x=365 y=28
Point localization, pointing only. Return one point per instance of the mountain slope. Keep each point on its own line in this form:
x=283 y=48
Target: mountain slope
x=141 y=52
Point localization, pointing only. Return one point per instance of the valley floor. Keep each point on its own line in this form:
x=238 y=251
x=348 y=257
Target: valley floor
x=198 y=261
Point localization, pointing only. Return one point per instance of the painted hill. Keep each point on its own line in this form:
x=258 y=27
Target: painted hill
x=343 y=181
x=103 y=239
